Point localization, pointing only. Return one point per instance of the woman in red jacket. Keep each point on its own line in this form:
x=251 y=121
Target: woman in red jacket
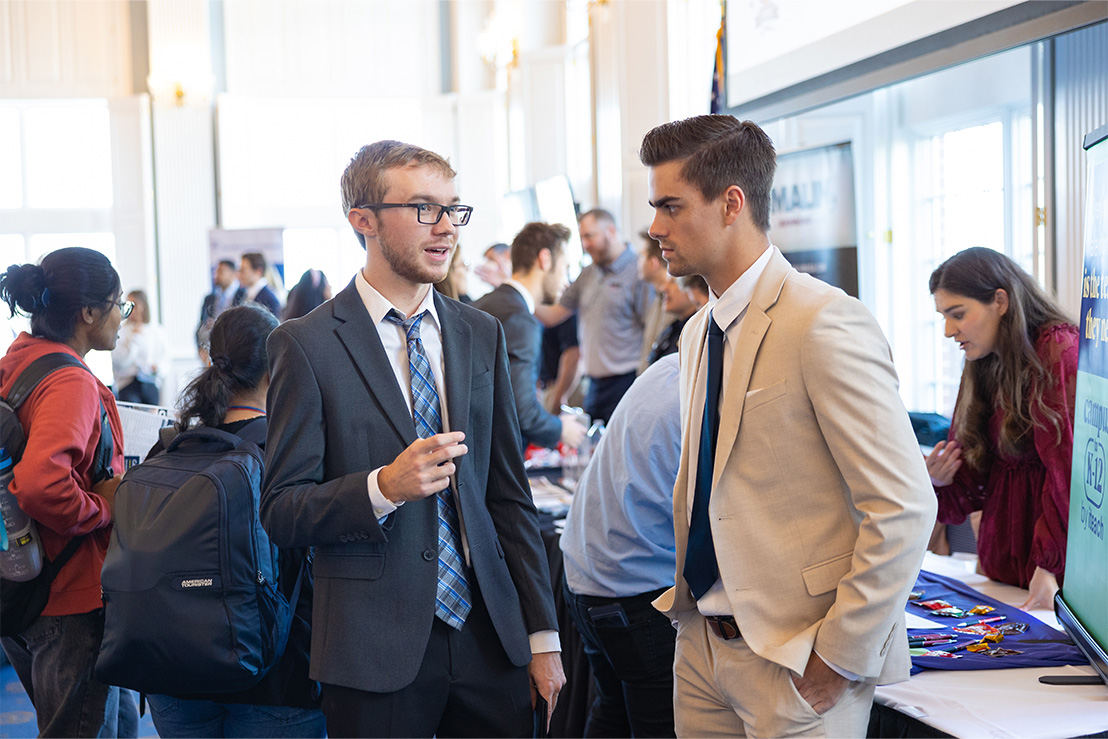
x=1011 y=441
x=73 y=300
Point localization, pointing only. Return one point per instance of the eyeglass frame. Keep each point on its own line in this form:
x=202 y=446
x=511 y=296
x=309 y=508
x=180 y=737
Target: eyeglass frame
x=125 y=307
x=442 y=209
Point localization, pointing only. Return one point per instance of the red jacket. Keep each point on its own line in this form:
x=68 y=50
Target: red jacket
x=53 y=480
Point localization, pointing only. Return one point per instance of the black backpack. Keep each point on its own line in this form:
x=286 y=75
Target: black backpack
x=191 y=603
x=22 y=602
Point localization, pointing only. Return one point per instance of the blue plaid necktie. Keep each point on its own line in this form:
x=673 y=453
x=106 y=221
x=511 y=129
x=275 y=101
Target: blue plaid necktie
x=701 y=569
x=452 y=601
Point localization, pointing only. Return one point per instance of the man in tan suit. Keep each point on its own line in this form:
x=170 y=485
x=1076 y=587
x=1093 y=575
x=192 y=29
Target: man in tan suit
x=802 y=506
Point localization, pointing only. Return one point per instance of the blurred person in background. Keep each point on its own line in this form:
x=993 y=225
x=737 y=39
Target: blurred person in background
x=539 y=275
x=456 y=284
x=619 y=553
x=683 y=297
x=252 y=275
x=610 y=301
x=308 y=294
x=66 y=481
x=226 y=292
x=141 y=355
x=497 y=265
x=652 y=269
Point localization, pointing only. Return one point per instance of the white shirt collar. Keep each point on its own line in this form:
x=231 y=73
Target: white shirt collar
x=527 y=297
x=727 y=308
x=253 y=290
x=378 y=305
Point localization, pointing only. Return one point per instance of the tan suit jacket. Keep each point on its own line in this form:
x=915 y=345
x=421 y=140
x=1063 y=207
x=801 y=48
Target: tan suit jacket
x=821 y=505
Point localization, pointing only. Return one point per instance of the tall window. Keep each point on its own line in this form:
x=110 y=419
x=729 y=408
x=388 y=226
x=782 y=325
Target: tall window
x=969 y=183
x=55 y=189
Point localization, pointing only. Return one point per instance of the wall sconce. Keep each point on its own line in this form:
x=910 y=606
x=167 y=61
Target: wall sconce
x=497 y=45
x=182 y=77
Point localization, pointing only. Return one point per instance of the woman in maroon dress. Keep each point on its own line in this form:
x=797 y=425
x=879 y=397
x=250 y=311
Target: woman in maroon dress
x=1011 y=441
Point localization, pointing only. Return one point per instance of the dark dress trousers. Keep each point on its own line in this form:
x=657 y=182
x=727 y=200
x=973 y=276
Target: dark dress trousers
x=523 y=333
x=336 y=413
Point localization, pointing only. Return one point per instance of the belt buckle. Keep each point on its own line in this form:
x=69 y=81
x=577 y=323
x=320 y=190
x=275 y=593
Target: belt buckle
x=724 y=627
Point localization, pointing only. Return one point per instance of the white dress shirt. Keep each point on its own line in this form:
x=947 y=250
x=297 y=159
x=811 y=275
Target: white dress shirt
x=395 y=342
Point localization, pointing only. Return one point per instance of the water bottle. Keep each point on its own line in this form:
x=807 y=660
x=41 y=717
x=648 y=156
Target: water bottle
x=21 y=558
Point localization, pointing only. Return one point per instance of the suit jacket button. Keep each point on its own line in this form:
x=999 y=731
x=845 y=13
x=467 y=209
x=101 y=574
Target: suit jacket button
x=430 y=554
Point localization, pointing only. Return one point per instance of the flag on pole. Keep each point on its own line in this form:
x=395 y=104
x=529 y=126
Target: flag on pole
x=719 y=80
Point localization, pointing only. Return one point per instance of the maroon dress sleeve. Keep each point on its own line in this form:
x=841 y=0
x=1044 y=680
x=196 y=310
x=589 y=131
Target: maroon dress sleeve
x=966 y=493
x=1058 y=349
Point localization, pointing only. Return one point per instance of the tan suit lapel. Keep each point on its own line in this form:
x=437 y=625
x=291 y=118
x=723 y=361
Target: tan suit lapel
x=754 y=327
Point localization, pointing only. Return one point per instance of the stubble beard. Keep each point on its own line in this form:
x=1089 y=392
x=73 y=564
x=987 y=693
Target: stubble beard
x=407 y=264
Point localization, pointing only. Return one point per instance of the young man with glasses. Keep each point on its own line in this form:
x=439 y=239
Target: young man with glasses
x=394 y=451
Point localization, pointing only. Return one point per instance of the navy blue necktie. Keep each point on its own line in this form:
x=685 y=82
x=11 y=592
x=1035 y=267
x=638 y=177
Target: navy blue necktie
x=453 y=597
x=701 y=568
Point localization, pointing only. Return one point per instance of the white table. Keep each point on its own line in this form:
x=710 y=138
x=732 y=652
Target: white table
x=998 y=703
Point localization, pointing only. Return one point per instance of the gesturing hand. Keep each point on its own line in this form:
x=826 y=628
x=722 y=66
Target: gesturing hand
x=943 y=461
x=423 y=469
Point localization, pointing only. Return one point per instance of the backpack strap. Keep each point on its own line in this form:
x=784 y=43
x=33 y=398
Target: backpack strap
x=254 y=431
x=54 y=566
x=39 y=370
x=167 y=434
x=204 y=434
x=36 y=372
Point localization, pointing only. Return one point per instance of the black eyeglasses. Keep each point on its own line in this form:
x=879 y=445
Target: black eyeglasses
x=429 y=213
x=125 y=306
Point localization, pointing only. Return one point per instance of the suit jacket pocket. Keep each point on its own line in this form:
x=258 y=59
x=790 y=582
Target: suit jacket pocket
x=763 y=395
x=349 y=566
x=481 y=379
x=824 y=577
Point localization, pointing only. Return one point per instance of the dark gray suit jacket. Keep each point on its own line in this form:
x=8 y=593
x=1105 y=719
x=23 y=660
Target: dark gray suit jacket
x=524 y=336
x=336 y=413
x=267 y=298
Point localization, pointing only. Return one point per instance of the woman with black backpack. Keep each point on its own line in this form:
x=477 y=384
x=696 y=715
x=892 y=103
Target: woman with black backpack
x=65 y=481
x=231 y=395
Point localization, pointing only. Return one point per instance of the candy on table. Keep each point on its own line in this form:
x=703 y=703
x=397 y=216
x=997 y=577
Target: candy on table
x=981 y=610
x=933 y=605
x=1000 y=652
x=979 y=629
x=949 y=612
x=915 y=595
x=1014 y=627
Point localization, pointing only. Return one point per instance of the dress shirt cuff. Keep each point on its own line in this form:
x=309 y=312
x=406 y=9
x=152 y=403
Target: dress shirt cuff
x=845 y=673
x=545 y=641
x=382 y=506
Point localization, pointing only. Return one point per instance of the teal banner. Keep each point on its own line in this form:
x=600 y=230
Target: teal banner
x=1085 y=590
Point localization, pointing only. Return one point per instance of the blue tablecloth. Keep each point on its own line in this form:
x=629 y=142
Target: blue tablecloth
x=1039 y=646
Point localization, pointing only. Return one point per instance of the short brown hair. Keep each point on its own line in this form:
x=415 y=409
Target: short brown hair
x=719 y=151
x=363 y=180
x=651 y=247
x=600 y=216
x=532 y=239
x=694 y=282
x=256 y=261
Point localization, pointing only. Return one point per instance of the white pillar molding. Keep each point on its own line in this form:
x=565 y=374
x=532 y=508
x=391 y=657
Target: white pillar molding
x=184 y=165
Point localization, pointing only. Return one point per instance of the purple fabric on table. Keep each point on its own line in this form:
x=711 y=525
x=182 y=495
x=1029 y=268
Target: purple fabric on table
x=1054 y=648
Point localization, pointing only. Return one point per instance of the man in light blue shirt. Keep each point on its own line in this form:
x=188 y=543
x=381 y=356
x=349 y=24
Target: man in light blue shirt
x=618 y=548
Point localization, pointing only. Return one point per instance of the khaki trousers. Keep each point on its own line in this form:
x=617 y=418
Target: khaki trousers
x=721 y=688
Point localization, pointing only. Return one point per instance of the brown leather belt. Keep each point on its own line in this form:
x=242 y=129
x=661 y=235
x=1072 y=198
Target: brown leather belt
x=724 y=627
